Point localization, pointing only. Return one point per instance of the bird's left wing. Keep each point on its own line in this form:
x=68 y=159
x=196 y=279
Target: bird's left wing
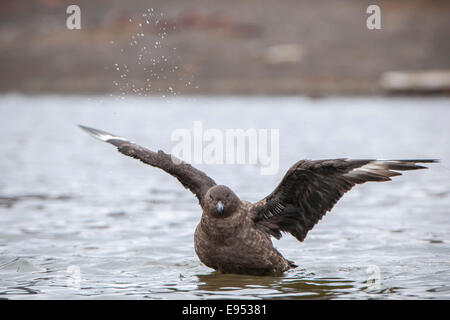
x=311 y=188
x=191 y=178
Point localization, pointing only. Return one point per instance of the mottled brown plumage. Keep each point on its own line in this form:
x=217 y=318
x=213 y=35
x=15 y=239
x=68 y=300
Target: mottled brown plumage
x=231 y=242
x=234 y=235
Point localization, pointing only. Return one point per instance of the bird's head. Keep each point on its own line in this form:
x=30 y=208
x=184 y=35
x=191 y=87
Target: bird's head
x=221 y=202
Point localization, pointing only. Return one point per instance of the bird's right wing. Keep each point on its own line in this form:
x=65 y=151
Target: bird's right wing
x=191 y=178
x=311 y=188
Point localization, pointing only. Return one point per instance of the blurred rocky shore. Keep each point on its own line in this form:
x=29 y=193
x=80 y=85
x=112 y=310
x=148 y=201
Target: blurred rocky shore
x=168 y=47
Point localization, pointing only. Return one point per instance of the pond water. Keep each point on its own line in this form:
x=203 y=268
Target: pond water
x=80 y=220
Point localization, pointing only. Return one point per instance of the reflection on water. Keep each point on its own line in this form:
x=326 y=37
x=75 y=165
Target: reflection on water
x=69 y=202
x=231 y=285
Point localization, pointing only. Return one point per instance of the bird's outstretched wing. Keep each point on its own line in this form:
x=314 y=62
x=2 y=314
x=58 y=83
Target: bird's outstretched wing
x=191 y=178
x=311 y=188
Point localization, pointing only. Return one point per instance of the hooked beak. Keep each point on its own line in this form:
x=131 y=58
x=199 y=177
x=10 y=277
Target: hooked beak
x=219 y=207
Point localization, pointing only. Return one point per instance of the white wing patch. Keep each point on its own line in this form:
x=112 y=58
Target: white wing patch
x=382 y=170
x=102 y=135
x=380 y=167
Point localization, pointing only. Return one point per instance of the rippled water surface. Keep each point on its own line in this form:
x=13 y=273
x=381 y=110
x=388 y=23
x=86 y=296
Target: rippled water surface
x=80 y=220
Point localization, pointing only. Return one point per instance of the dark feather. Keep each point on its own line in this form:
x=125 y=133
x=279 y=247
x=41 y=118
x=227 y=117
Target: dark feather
x=311 y=188
x=191 y=178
